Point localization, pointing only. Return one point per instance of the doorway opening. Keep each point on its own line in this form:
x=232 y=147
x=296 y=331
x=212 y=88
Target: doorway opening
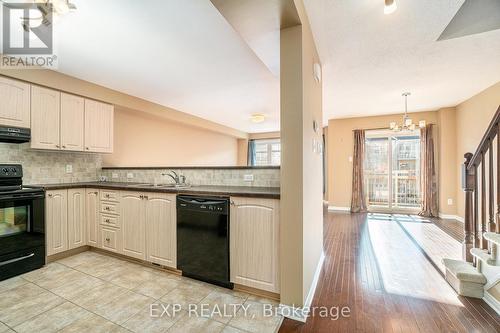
x=392 y=171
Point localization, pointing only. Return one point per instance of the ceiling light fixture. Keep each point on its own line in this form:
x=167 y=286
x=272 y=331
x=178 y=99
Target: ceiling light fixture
x=390 y=7
x=407 y=124
x=257 y=118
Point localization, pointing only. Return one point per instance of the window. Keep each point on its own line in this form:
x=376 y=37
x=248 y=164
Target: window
x=392 y=170
x=264 y=152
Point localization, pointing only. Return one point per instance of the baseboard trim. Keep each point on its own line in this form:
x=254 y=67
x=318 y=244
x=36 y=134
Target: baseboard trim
x=338 y=209
x=492 y=302
x=451 y=217
x=301 y=313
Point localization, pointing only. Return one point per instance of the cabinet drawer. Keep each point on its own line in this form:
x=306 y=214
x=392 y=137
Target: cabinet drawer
x=110 y=239
x=110 y=220
x=109 y=195
x=110 y=208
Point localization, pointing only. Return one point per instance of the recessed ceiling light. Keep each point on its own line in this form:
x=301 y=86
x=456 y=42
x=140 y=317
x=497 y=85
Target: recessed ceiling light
x=390 y=7
x=257 y=118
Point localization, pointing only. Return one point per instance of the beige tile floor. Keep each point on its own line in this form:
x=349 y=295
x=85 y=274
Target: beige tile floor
x=93 y=292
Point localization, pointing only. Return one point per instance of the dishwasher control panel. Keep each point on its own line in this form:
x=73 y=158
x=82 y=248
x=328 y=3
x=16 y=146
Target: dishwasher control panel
x=207 y=204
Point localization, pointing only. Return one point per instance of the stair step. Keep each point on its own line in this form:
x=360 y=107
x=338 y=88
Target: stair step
x=484 y=256
x=464 y=271
x=492 y=237
x=464 y=278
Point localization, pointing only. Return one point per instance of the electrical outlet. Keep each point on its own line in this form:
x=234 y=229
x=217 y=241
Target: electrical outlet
x=130 y=175
x=69 y=168
x=248 y=178
x=450 y=202
x=114 y=175
x=350 y=159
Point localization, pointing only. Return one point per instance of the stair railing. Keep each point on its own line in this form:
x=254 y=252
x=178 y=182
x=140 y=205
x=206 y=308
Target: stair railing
x=480 y=195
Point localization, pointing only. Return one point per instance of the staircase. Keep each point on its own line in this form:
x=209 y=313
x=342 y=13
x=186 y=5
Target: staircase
x=478 y=274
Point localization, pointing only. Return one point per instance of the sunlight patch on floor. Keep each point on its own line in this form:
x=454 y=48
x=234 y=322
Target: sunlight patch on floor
x=404 y=269
x=435 y=242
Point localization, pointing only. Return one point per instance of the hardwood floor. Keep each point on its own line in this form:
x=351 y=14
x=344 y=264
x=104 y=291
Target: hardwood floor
x=375 y=269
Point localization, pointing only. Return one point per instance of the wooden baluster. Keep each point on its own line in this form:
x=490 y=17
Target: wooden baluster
x=475 y=224
x=497 y=229
x=491 y=190
x=468 y=186
x=484 y=243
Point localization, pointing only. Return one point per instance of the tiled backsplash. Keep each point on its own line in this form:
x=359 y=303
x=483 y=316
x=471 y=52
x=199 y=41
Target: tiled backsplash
x=227 y=177
x=46 y=167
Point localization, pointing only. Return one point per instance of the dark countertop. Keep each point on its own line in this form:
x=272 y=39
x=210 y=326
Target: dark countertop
x=242 y=191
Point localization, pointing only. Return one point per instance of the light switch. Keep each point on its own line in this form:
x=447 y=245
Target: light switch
x=450 y=202
x=350 y=159
x=69 y=168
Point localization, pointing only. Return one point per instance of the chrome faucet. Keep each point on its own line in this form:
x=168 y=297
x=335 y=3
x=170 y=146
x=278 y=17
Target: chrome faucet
x=178 y=179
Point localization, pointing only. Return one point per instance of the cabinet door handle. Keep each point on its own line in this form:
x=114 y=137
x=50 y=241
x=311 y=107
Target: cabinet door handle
x=50 y=195
x=57 y=146
x=107 y=239
x=146 y=197
x=232 y=203
x=64 y=147
x=87 y=148
x=107 y=195
x=106 y=208
x=141 y=196
x=107 y=220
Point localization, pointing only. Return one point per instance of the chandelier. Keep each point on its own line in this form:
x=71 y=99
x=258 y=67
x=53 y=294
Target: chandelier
x=407 y=124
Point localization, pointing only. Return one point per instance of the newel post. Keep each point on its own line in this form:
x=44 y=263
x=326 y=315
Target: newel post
x=468 y=186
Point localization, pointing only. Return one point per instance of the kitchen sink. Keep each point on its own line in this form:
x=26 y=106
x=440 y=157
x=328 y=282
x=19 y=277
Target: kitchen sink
x=177 y=186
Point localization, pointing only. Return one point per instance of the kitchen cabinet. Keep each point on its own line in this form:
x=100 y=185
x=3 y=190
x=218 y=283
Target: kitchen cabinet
x=161 y=228
x=133 y=217
x=110 y=239
x=76 y=218
x=72 y=122
x=254 y=243
x=98 y=126
x=92 y=216
x=45 y=118
x=56 y=221
x=15 y=107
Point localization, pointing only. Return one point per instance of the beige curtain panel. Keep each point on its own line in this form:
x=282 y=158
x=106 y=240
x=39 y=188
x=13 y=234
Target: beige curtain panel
x=358 y=199
x=428 y=178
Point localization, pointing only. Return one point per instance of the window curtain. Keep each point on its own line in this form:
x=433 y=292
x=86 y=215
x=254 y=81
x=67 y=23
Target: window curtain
x=251 y=153
x=358 y=200
x=428 y=181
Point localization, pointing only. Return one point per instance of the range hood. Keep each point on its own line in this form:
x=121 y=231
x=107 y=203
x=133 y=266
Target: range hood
x=14 y=134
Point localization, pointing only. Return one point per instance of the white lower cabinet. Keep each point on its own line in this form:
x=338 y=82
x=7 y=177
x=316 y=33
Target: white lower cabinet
x=92 y=216
x=76 y=218
x=133 y=224
x=254 y=243
x=161 y=229
x=56 y=221
x=110 y=239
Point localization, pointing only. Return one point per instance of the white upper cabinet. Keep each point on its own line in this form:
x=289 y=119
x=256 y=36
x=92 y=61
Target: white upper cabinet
x=15 y=105
x=72 y=122
x=98 y=127
x=45 y=118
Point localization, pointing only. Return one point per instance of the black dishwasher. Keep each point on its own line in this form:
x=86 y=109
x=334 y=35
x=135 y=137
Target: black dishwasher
x=203 y=238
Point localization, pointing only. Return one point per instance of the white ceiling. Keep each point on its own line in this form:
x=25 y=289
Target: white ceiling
x=369 y=58
x=181 y=54
x=185 y=55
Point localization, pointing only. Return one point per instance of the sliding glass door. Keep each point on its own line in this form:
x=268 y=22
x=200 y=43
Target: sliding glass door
x=392 y=171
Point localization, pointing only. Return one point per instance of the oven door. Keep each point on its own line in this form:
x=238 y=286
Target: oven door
x=22 y=221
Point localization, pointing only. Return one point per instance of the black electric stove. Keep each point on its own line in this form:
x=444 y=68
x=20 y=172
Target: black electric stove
x=22 y=224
